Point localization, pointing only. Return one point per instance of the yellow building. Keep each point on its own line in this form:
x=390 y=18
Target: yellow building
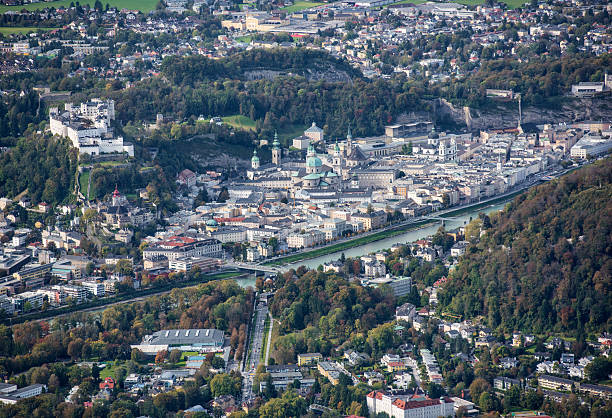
x=396 y=366
x=309 y=358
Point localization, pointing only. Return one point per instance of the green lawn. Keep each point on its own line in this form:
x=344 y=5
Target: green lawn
x=110 y=371
x=513 y=4
x=83 y=181
x=245 y=39
x=264 y=344
x=21 y=30
x=142 y=5
x=240 y=122
x=300 y=5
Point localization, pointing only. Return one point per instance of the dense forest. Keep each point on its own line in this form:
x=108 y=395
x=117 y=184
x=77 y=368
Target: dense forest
x=201 y=86
x=318 y=311
x=536 y=79
x=197 y=68
x=545 y=263
x=46 y=167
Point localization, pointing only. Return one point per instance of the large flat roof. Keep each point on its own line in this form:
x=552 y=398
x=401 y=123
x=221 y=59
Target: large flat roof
x=185 y=337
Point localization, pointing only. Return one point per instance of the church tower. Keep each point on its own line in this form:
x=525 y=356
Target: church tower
x=276 y=151
x=255 y=160
x=337 y=160
x=349 y=141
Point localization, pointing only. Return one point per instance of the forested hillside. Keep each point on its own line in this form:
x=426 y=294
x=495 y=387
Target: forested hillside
x=545 y=263
x=45 y=167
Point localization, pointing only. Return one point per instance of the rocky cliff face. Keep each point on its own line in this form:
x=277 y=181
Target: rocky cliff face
x=317 y=72
x=505 y=115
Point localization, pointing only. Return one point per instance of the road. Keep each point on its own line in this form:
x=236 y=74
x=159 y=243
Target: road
x=255 y=350
x=415 y=371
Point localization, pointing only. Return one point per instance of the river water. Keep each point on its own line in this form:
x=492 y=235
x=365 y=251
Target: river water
x=407 y=237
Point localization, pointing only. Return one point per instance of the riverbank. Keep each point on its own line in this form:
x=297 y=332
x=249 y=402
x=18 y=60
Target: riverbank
x=345 y=245
x=390 y=231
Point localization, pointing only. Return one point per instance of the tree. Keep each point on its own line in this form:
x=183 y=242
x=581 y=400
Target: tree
x=599 y=369
x=485 y=401
x=224 y=384
x=479 y=386
x=434 y=390
x=75 y=348
x=161 y=356
x=124 y=267
x=175 y=356
x=445 y=200
x=512 y=398
x=223 y=195
x=136 y=355
x=95 y=372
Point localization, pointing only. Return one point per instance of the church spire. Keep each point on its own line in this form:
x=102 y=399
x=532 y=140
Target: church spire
x=349 y=139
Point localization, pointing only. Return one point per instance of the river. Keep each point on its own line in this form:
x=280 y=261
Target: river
x=407 y=237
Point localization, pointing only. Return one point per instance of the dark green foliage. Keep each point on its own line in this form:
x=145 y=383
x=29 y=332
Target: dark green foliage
x=546 y=263
x=45 y=167
x=318 y=310
x=536 y=79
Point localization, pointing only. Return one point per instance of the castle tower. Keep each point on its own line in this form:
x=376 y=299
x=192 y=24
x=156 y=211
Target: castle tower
x=255 y=160
x=276 y=151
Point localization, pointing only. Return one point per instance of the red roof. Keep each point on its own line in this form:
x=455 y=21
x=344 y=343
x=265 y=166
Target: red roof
x=415 y=404
x=108 y=383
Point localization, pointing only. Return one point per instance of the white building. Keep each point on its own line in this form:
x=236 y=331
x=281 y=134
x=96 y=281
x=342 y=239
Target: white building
x=307 y=239
x=94 y=288
x=88 y=126
x=591 y=146
x=406 y=406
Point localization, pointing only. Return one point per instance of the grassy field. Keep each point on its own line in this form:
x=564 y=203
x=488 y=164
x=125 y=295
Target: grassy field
x=110 y=371
x=245 y=39
x=264 y=344
x=300 y=5
x=240 y=122
x=83 y=181
x=9 y=31
x=513 y=4
x=142 y=5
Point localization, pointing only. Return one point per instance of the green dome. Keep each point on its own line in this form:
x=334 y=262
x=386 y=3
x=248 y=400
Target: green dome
x=212 y=222
x=313 y=162
x=255 y=157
